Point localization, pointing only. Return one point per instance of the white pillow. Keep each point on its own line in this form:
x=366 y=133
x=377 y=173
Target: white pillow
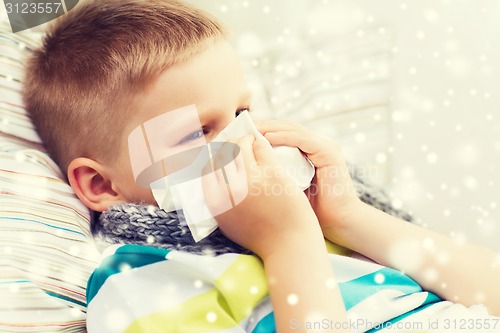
x=13 y=49
x=46 y=249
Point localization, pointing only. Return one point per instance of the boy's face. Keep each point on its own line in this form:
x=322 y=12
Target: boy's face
x=213 y=81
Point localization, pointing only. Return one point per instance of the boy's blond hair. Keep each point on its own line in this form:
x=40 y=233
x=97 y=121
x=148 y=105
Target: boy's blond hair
x=80 y=85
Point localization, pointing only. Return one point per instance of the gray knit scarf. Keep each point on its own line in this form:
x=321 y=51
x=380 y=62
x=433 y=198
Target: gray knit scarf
x=149 y=225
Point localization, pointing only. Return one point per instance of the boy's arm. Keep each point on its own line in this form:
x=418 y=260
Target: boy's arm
x=455 y=270
x=273 y=219
x=458 y=272
x=302 y=286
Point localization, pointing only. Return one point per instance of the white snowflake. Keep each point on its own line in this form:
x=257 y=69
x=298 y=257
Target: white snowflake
x=211 y=317
x=292 y=299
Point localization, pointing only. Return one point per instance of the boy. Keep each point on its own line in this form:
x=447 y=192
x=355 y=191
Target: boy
x=107 y=67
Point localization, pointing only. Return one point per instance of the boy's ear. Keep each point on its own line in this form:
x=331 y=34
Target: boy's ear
x=91 y=184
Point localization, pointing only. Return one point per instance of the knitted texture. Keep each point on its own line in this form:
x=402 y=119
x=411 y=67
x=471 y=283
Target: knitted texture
x=130 y=223
x=149 y=225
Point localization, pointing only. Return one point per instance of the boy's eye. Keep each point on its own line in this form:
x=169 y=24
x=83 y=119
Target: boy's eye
x=237 y=113
x=193 y=136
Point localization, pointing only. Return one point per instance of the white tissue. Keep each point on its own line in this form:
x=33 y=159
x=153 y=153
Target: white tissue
x=189 y=197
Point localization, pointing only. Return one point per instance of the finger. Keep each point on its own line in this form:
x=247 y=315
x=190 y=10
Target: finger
x=320 y=150
x=265 y=126
x=263 y=152
x=306 y=142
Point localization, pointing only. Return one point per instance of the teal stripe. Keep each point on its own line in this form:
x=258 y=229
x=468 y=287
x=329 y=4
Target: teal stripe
x=15 y=281
x=429 y=301
x=45 y=224
x=266 y=324
x=129 y=256
x=361 y=288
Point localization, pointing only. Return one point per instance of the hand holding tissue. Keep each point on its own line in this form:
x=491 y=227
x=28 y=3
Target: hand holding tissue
x=187 y=195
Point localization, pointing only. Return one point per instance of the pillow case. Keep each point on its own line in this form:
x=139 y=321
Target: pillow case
x=13 y=49
x=47 y=252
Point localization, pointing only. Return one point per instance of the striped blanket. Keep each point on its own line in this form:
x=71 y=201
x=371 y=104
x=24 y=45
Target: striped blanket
x=145 y=289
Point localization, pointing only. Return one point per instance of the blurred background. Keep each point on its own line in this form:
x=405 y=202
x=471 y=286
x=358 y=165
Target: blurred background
x=409 y=88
